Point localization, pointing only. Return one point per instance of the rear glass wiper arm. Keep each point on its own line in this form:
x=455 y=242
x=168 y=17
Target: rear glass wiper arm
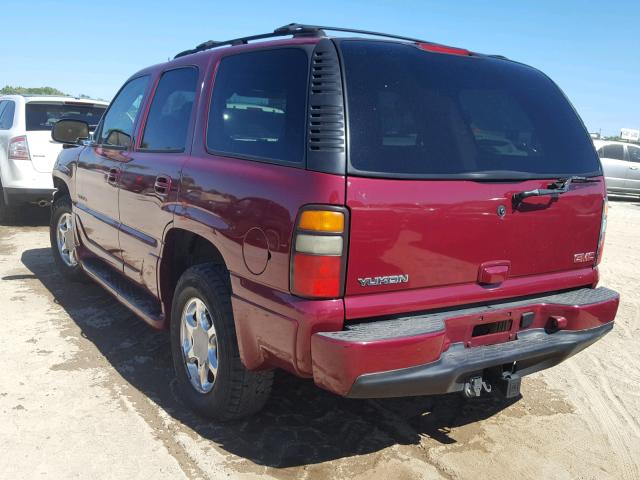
x=559 y=186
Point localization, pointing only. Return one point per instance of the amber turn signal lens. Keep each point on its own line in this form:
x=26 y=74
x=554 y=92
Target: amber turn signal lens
x=322 y=221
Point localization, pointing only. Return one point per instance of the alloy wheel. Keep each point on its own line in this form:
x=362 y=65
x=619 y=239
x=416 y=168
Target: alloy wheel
x=65 y=240
x=199 y=345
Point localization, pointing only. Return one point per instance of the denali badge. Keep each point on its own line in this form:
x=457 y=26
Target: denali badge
x=386 y=280
x=584 y=257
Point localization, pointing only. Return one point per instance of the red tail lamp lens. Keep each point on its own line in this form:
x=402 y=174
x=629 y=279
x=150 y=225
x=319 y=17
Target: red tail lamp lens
x=316 y=275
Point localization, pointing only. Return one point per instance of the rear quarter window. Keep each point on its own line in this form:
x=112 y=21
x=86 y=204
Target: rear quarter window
x=258 y=106
x=7 y=111
x=422 y=114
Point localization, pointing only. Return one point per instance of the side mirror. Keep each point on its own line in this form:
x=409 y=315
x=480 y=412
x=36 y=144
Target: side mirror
x=70 y=131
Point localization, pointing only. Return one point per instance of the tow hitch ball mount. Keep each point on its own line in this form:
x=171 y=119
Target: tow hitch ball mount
x=474 y=387
x=508 y=384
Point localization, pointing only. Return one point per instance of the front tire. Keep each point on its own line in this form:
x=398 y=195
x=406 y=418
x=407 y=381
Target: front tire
x=62 y=240
x=210 y=375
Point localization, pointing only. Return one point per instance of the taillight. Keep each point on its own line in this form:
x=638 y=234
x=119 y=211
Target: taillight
x=18 y=148
x=603 y=229
x=318 y=252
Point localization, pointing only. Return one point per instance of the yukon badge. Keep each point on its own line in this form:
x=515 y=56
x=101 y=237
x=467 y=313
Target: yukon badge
x=386 y=280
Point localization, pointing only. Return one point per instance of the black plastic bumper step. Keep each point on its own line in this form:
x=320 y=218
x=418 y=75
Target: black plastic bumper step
x=410 y=326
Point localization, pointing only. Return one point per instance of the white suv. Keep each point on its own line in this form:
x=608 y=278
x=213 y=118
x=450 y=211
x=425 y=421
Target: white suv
x=27 y=152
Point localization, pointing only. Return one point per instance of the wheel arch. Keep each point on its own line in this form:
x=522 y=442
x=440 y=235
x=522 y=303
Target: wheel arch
x=183 y=249
x=61 y=188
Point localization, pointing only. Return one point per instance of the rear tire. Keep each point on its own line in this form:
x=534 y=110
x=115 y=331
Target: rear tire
x=62 y=210
x=227 y=390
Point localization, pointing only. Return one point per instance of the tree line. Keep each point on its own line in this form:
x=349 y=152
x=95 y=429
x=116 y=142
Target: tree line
x=11 y=90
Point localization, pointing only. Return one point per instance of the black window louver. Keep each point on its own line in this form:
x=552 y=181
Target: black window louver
x=326 y=122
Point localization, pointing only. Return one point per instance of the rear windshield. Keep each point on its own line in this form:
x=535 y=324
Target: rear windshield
x=42 y=116
x=414 y=113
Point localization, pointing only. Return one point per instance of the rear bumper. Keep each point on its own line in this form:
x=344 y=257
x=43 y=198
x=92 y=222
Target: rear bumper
x=19 y=196
x=21 y=175
x=436 y=353
x=533 y=350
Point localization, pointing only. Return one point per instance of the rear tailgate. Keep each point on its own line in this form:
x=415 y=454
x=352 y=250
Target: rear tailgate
x=43 y=150
x=440 y=233
x=438 y=145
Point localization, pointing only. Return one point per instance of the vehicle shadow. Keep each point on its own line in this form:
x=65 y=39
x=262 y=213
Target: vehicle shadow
x=300 y=425
x=29 y=216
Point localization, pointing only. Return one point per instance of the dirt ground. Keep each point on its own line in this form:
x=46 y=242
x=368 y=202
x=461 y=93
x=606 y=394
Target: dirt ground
x=86 y=391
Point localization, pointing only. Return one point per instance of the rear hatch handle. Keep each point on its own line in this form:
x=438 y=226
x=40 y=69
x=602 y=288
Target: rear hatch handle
x=560 y=186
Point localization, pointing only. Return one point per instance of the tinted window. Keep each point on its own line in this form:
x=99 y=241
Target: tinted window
x=415 y=113
x=634 y=153
x=170 y=111
x=7 y=109
x=258 y=105
x=613 y=151
x=42 y=116
x=117 y=128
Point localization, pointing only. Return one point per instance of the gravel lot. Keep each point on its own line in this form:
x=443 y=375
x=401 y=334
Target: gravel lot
x=86 y=391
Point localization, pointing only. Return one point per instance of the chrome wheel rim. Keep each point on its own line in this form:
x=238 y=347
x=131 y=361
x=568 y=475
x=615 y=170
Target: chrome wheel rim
x=66 y=242
x=199 y=345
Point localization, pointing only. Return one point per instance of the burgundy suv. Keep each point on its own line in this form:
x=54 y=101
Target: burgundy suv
x=387 y=216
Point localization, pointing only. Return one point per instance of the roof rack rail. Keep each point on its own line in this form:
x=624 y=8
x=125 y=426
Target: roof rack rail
x=296 y=30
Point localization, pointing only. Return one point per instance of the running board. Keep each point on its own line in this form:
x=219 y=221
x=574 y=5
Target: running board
x=126 y=292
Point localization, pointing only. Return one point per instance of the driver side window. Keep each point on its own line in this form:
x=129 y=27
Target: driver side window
x=118 y=123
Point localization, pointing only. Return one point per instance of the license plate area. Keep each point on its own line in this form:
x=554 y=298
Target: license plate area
x=491 y=328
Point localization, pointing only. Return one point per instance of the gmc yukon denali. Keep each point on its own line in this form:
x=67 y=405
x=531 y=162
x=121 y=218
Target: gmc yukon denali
x=384 y=215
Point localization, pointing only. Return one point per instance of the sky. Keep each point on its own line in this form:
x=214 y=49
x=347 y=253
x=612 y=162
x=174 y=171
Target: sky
x=590 y=49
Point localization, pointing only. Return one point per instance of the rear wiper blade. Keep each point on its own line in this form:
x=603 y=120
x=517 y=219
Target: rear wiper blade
x=560 y=186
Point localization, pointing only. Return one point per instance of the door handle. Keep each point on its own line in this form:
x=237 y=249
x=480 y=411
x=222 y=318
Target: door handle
x=113 y=176
x=162 y=185
x=633 y=167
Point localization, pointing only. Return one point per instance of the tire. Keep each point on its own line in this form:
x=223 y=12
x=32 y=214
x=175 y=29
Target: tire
x=233 y=391
x=62 y=206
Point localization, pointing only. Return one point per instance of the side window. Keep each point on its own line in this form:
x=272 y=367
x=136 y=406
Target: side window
x=117 y=127
x=3 y=104
x=258 y=106
x=614 y=151
x=6 y=114
x=170 y=112
x=634 y=153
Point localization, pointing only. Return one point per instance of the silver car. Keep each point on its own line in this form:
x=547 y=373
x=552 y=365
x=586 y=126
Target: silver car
x=621 y=164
